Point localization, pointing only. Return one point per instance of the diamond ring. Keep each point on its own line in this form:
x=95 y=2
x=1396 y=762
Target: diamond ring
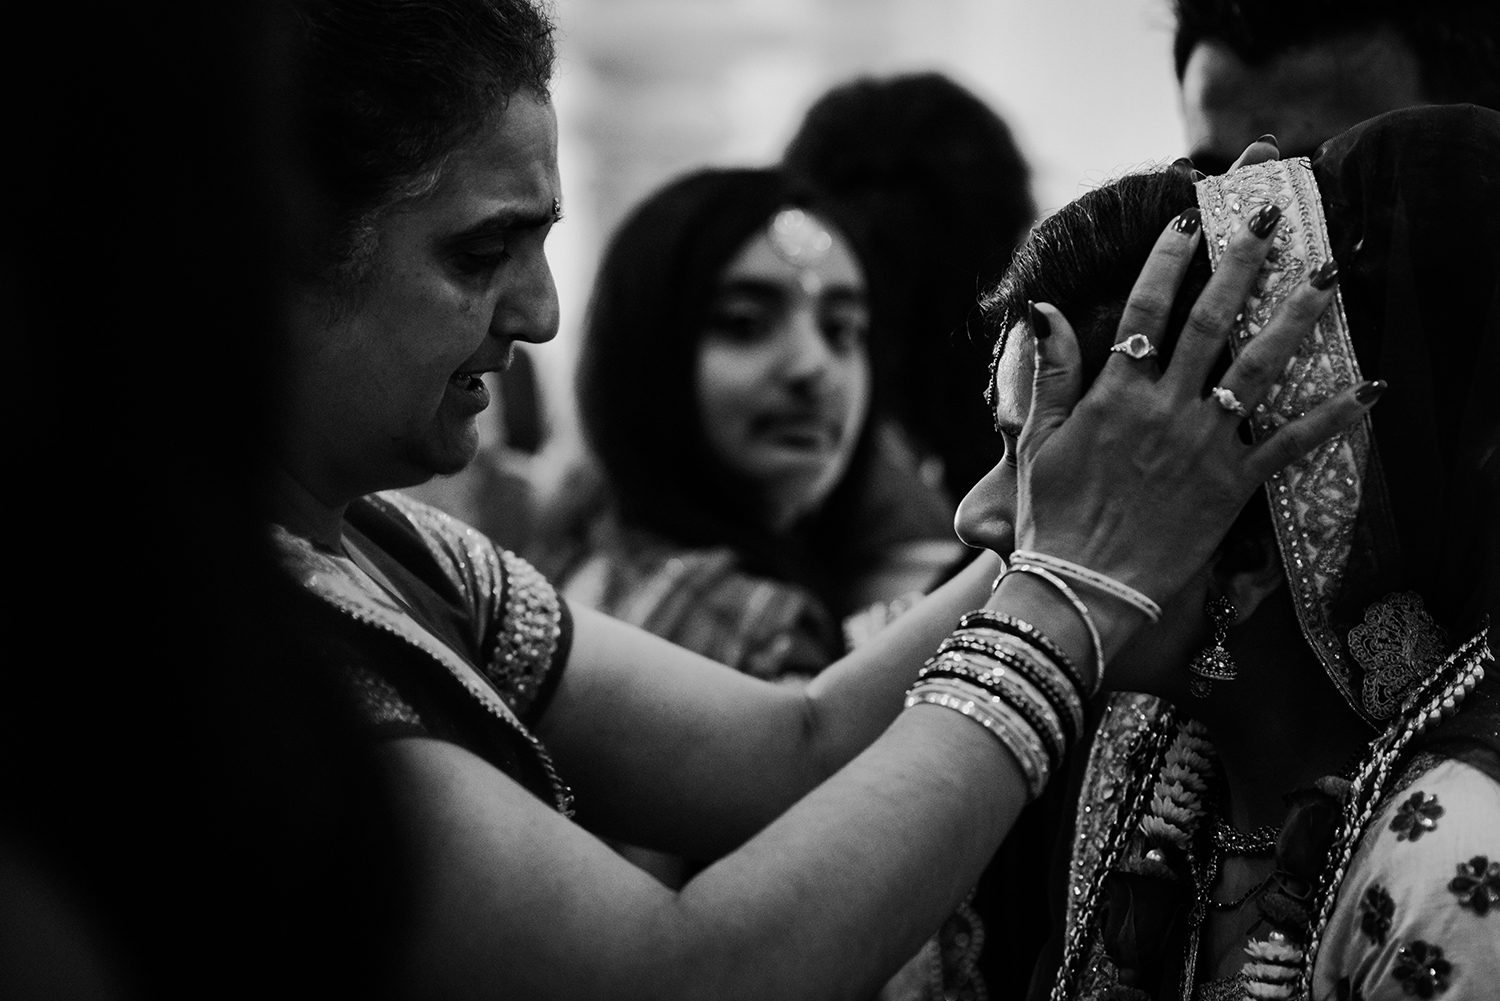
x=1230 y=402
x=1137 y=346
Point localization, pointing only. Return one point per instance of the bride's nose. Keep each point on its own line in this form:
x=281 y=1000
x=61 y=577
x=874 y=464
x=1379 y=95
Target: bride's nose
x=986 y=518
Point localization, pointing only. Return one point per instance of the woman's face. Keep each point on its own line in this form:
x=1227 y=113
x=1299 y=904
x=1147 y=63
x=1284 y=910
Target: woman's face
x=783 y=371
x=385 y=387
x=1155 y=660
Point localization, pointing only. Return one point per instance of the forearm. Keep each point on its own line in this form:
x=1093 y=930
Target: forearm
x=512 y=899
x=863 y=868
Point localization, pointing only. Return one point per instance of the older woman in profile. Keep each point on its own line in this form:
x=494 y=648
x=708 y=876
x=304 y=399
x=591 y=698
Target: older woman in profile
x=513 y=730
x=756 y=501
x=1308 y=799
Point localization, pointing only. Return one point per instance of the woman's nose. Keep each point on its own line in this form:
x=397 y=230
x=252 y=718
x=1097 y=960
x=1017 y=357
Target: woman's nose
x=528 y=308
x=808 y=354
x=986 y=517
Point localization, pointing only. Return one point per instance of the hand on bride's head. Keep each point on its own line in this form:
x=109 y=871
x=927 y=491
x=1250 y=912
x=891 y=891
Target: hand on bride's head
x=1141 y=477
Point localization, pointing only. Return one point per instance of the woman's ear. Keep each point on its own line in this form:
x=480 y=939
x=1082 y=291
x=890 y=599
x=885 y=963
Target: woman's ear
x=1248 y=571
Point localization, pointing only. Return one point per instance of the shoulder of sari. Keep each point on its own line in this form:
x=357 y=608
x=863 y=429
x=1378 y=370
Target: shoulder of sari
x=704 y=600
x=1419 y=911
x=519 y=617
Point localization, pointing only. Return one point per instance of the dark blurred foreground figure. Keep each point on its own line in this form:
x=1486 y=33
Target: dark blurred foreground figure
x=1306 y=70
x=934 y=179
x=185 y=814
x=756 y=498
x=1312 y=801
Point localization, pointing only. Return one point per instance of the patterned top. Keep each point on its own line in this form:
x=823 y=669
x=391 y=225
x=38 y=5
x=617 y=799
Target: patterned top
x=1419 y=913
x=704 y=600
x=468 y=648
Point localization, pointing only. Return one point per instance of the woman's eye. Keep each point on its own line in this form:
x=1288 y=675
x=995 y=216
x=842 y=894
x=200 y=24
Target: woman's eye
x=740 y=324
x=845 y=333
x=479 y=261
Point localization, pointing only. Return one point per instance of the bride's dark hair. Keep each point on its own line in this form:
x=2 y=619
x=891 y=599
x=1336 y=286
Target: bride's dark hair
x=1085 y=257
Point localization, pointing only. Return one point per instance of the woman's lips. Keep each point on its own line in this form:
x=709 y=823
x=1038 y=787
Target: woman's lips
x=800 y=431
x=469 y=389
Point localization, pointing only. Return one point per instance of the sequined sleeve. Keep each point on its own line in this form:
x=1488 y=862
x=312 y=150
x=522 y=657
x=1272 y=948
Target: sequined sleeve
x=1418 y=916
x=522 y=627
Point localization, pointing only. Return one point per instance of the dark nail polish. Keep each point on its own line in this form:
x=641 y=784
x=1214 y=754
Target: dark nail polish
x=1041 y=327
x=1326 y=274
x=1369 y=392
x=1265 y=220
x=1188 y=222
x=1183 y=165
x=1268 y=138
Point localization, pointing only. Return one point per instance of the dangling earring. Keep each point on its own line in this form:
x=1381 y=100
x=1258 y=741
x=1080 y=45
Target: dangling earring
x=1213 y=662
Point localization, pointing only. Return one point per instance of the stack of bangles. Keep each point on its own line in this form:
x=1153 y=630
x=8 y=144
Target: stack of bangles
x=1010 y=678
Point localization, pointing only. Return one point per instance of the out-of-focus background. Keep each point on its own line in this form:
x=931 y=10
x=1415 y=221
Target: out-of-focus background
x=646 y=89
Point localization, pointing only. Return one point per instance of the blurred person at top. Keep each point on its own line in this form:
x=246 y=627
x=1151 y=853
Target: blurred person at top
x=1299 y=72
x=755 y=508
x=934 y=180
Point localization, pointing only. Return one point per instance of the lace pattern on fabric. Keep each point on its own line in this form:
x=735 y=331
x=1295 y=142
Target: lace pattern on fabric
x=1315 y=501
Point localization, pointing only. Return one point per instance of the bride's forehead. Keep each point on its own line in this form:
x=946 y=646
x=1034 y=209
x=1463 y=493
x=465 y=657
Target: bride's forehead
x=1013 y=376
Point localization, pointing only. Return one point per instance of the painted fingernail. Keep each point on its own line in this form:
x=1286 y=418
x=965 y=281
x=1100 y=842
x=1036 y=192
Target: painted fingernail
x=1326 y=274
x=1369 y=392
x=1183 y=165
x=1265 y=220
x=1041 y=327
x=1268 y=138
x=1188 y=221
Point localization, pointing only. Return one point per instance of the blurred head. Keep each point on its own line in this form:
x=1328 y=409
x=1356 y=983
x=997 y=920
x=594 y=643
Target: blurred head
x=934 y=179
x=1412 y=199
x=1307 y=71
x=725 y=374
x=434 y=148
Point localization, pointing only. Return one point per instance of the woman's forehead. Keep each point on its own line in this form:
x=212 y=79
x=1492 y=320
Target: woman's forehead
x=1013 y=377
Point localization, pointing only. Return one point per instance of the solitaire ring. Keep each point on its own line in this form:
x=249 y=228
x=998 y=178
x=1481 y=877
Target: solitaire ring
x=1230 y=402
x=1137 y=346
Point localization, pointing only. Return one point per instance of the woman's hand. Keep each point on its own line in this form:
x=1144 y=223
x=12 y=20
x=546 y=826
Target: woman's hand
x=1142 y=477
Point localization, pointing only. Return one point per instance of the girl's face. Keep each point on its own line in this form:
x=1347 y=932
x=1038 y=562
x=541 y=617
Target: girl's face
x=783 y=371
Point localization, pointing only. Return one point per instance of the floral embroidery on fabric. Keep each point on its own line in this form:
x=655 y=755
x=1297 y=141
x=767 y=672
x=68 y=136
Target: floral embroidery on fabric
x=1376 y=910
x=1397 y=645
x=1416 y=817
x=1477 y=884
x=1422 y=969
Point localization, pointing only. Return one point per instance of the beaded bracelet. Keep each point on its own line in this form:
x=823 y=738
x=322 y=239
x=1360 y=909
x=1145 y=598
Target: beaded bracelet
x=1000 y=720
x=1078 y=606
x=1026 y=632
x=1037 y=671
x=1092 y=578
x=991 y=642
x=1014 y=692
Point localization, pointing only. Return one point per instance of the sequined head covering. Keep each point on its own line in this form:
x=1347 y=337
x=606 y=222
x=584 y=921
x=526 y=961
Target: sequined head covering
x=1388 y=532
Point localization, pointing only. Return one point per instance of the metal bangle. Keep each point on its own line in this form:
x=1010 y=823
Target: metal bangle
x=1093 y=578
x=1025 y=631
x=1072 y=598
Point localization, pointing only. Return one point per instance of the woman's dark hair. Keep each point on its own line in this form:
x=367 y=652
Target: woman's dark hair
x=637 y=369
x=1085 y=258
x=934 y=177
x=389 y=88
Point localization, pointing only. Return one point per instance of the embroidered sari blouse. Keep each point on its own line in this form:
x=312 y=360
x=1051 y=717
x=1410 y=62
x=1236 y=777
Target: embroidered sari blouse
x=469 y=650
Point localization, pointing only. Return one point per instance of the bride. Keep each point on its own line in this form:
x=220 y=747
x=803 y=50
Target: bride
x=1308 y=803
